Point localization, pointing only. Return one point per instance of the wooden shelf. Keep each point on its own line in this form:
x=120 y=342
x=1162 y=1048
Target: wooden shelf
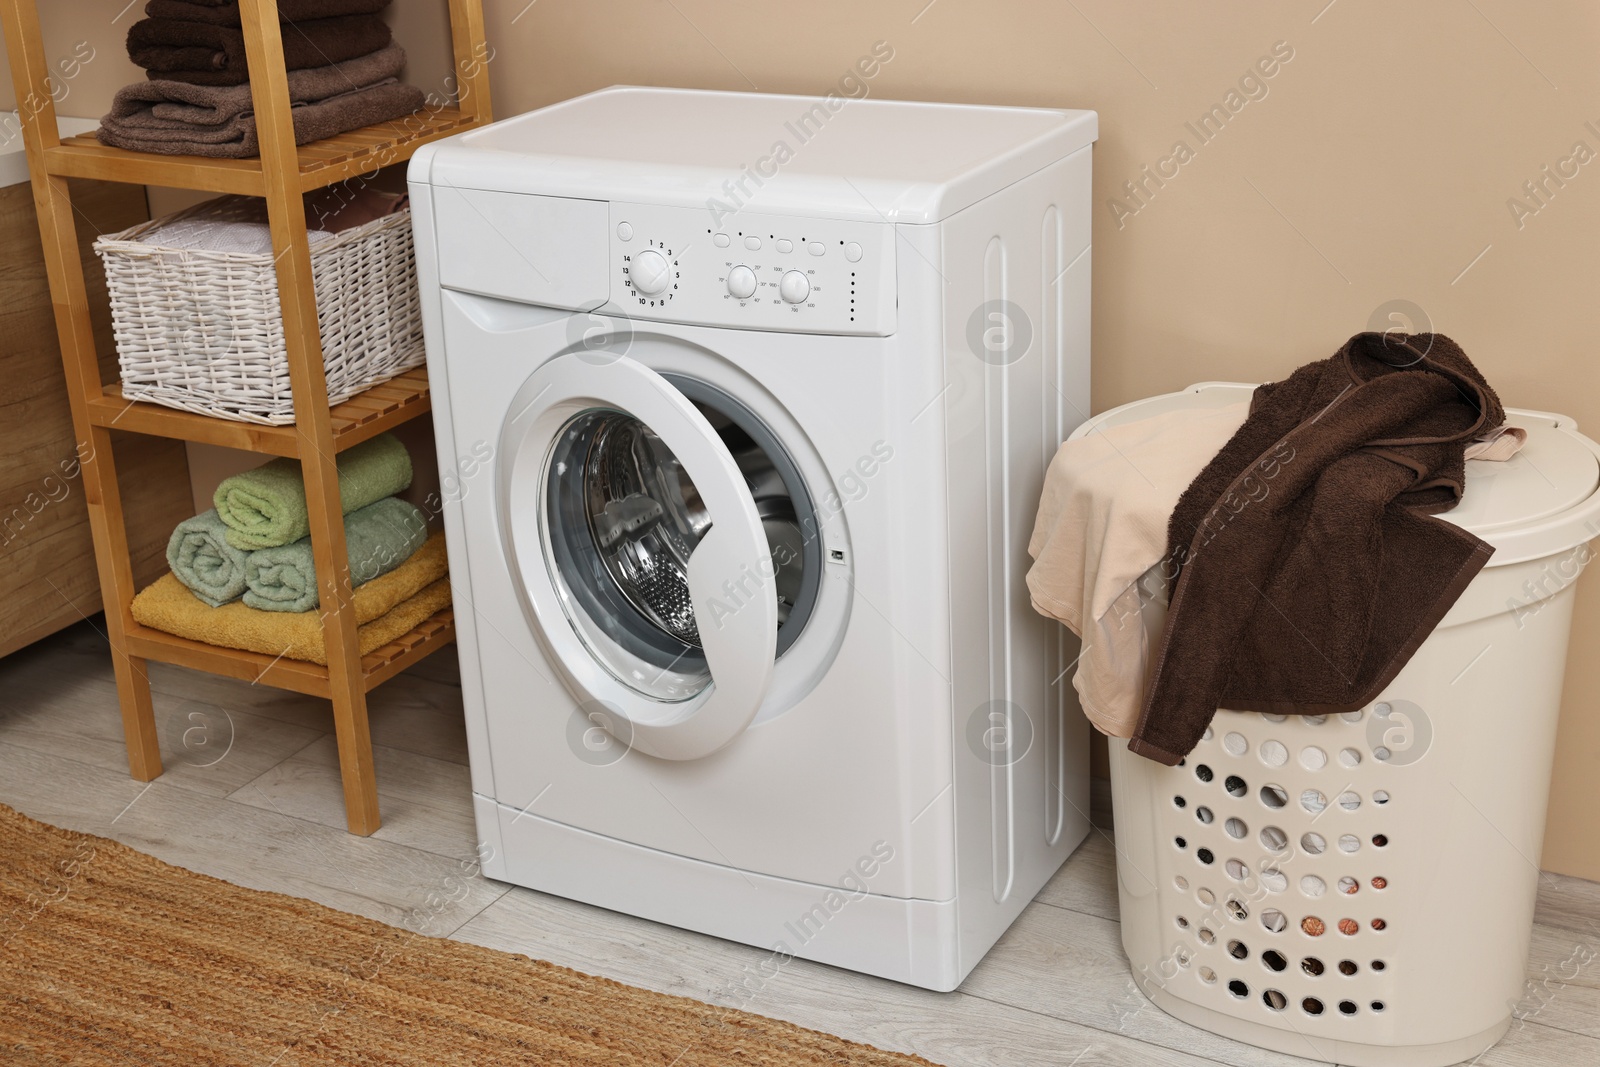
x=365 y=415
x=322 y=163
x=436 y=631
x=297 y=676
x=281 y=175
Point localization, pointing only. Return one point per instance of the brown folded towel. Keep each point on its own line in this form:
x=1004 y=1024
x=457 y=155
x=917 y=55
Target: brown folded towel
x=1312 y=567
x=171 y=104
x=205 y=54
x=237 y=138
x=226 y=12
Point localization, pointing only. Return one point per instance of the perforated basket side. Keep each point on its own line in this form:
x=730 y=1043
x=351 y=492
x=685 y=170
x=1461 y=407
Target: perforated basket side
x=1279 y=892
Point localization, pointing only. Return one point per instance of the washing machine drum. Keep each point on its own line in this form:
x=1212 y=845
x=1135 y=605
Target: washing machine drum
x=645 y=517
x=625 y=518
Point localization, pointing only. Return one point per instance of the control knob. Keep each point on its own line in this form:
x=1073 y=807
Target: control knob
x=650 y=273
x=742 y=282
x=794 y=287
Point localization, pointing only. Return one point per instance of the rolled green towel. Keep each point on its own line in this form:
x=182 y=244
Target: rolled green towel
x=266 y=507
x=378 y=538
x=202 y=559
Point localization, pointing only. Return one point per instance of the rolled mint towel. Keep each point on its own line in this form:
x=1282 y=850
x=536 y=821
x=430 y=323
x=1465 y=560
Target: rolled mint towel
x=240 y=138
x=207 y=54
x=226 y=12
x=378 y=538
x=202 y=559
x=266 y=507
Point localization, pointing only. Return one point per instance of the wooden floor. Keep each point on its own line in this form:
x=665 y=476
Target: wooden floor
x=251 y=794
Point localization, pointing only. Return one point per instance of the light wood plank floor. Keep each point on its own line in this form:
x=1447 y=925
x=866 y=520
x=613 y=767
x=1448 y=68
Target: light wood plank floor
x=251 y=794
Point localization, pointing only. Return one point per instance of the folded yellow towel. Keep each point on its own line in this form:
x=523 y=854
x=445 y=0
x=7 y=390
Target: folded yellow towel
x=388 y=607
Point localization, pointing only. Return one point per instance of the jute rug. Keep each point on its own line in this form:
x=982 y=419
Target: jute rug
x=110 y=956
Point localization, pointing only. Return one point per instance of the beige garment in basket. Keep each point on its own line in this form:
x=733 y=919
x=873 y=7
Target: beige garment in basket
x=1100 y=540
x=1102 y=524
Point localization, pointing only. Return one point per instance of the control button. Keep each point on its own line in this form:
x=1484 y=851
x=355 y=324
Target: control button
x=624 y=231
x=816 y=248
x=752 y=243
x=650 y=272
x=785 y=245
x=852 y=252
x=794 y=287
x=721 y=240
x=742 y=282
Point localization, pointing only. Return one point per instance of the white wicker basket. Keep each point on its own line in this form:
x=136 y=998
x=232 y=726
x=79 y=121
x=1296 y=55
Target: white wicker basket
x=202 y=330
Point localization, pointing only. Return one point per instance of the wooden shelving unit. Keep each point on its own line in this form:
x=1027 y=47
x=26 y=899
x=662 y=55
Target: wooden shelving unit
x=281 y=175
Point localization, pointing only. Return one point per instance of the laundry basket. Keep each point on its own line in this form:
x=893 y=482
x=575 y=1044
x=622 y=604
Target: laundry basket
x=1359 y=888
x=199 y=326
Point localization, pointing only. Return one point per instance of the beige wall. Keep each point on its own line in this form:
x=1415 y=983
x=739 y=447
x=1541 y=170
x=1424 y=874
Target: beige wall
x=1377 y=167
x=84 y=46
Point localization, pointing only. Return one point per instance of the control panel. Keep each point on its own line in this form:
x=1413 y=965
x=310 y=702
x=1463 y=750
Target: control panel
x=758 y=272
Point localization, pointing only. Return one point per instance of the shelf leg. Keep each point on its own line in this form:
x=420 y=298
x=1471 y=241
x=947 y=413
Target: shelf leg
x=472 y=57
x=286 y=213
x=138 y=716
x=356 y=769
x=111 y=555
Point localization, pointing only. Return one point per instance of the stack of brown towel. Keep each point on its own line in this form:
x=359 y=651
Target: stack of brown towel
x=343 y=74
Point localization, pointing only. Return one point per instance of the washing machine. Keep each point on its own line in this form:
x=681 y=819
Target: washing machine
x=743 y=404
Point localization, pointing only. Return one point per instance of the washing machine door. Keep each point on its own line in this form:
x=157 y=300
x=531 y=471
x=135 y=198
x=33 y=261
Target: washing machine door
x=641 y=554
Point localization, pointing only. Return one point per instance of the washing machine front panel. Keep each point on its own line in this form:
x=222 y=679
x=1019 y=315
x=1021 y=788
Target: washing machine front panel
x=832 y=762
x=752 y=271
x=649 y=263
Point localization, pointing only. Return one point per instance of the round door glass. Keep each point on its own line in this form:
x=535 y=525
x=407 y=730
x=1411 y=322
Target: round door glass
x=623 y=519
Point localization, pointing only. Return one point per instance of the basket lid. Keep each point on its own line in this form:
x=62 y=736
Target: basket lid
x=1542 y=501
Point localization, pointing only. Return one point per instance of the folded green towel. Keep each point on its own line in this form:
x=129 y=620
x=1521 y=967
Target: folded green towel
x=378 y=538
x=266 y=507
x=202 y=559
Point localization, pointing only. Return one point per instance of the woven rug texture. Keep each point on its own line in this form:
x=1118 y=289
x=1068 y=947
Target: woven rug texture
x=110 y=956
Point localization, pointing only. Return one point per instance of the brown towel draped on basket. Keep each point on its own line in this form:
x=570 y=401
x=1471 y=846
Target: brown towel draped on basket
x=226 y=12
x=207 y=54
x=1312 y=567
